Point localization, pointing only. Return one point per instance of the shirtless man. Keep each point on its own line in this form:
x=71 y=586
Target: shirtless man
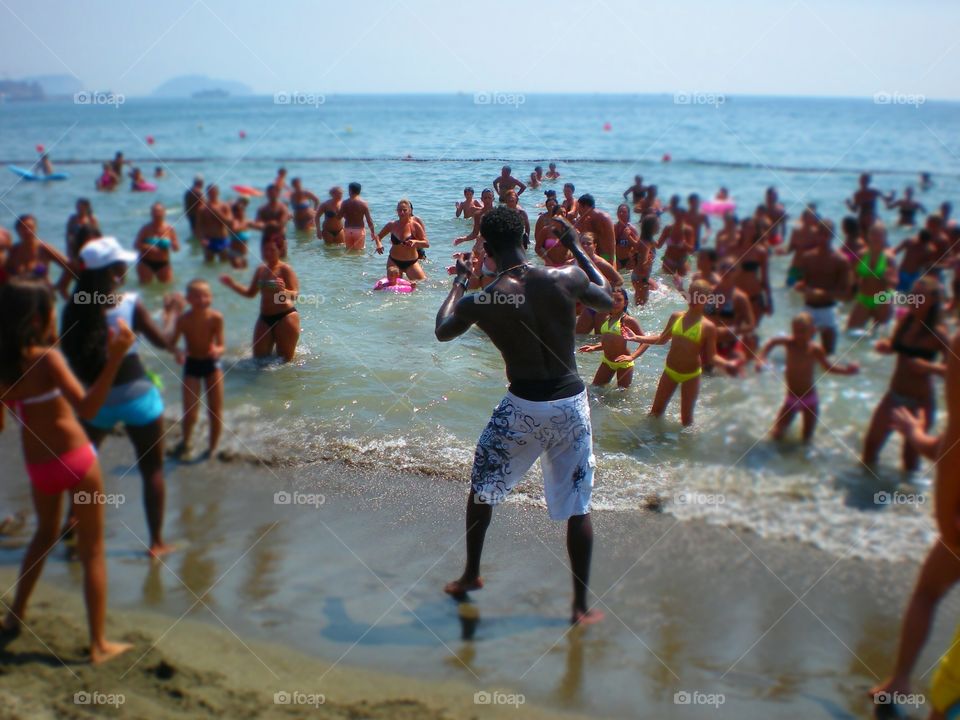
x=803 y=237
x=470 y=205
x=214 y=220
x=192 y=199
x=918 y=254
x=274 y=211
x=599 y=223
x=552 y=173
x=864 y=203
x=538 y=174
x=486 y=205
x=636 y=191
x=939 y=237
x=776 y=215
x=354 y=211
x=824 y=281
x=545 y=411
x=697 y=220
x=117 y=164
x=506 y=182
x=280 y=182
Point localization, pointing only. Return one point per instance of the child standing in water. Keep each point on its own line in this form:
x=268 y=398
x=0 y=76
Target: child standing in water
x=42 y=394
x=693 y=344
x=803 y=354
x=202 y=329
x=616 y=357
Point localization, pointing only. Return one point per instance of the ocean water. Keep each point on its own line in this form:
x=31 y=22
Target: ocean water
x=370 y=383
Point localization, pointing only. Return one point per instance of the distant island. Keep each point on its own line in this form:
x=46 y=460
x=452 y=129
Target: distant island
x=200 y=87
x=40 y=87
x=217 y=94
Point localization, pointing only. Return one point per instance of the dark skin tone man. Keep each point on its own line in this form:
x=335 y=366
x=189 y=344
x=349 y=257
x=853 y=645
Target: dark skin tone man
x=528 y=312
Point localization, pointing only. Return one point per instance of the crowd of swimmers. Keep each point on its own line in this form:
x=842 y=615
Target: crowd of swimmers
x=69 y=388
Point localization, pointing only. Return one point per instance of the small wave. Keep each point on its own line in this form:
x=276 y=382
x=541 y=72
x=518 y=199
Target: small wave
x=800 y=506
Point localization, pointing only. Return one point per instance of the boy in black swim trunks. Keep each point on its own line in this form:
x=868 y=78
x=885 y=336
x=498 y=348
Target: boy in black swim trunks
x=202 y=329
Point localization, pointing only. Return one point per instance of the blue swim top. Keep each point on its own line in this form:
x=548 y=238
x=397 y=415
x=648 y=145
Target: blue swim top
x=158 y=242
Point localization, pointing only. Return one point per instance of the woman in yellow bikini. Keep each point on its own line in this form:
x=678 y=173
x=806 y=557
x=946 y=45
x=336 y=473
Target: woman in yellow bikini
x=617 y=359
x=693 y=344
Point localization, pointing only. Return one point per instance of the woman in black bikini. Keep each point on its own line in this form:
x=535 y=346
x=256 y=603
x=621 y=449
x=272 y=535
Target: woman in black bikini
x=406 y=239
x=331 y=229
x=908 y=208
x=917 y=339
x=278 y=324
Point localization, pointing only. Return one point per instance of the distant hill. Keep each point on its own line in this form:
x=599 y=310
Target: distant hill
x=57 y=85
x=15 y=90
x=190 y=85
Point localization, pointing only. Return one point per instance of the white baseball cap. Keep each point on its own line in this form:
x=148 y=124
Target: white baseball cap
x=103 y=252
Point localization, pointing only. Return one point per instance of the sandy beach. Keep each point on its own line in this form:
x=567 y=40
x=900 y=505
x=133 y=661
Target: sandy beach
x=265 y=597
x=194 y=670
x=295 y=292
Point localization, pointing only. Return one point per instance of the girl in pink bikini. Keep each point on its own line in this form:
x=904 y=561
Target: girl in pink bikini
x=803 y=355
x=41 y=392
x=546 y=244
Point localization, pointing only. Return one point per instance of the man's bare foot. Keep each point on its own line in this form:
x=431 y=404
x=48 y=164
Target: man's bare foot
x=158 y=550
x=891 y=686
x=459 y=588
x=586 y=617
x=107 y=650
x=180 y=450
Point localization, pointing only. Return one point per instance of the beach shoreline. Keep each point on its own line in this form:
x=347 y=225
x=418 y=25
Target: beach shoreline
x=355 y=579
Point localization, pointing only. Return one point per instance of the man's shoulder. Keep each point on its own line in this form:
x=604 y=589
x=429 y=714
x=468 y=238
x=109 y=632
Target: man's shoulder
x=540 y=273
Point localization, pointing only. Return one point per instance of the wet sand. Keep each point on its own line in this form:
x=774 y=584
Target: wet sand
x=193 y=670
x=777 y=629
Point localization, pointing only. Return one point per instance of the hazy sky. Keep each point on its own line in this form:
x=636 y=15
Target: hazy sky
x=787 y=47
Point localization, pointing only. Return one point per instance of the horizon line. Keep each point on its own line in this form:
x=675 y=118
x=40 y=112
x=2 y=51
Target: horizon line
x=455 y=93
